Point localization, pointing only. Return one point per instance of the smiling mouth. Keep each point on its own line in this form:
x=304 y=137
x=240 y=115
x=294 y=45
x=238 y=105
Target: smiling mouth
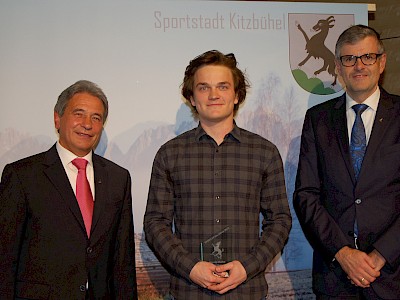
x=84 y=134
x=359 y=75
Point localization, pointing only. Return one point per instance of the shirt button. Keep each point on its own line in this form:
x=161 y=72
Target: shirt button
x=82 y=288
x=358 y=201
x=89 y=250
x=217 y=220
x=217 y=197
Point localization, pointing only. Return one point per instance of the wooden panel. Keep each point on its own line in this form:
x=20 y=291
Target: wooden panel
x=391 y=78
x=387 y=23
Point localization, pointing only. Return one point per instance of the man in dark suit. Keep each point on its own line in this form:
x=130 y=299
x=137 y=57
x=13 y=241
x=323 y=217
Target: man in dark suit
x=349 y=208
x=49 y=249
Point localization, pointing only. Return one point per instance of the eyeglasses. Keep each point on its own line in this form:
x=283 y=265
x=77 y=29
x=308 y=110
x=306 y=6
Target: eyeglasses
x=367 y=59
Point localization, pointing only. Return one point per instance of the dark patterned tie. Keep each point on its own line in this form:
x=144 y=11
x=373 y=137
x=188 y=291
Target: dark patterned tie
x=358 y=142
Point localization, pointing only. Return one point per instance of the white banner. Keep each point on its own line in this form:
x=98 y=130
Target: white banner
x=137 y=51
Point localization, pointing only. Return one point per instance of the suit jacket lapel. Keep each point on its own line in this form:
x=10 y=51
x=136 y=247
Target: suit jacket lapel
x=100 y=181
x=383 y=119
x=339 y=120
x=56 y=174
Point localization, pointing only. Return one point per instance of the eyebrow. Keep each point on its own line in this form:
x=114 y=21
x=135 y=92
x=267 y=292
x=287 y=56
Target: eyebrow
x=97 y=114
x=83 y=110
x=78 y=110
x=219 y=83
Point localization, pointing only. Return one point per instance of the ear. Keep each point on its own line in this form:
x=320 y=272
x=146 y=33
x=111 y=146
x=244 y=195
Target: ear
x=236 y=99
x=57 y=120
x=382 y=63
x=338 y=66
x=192 y=101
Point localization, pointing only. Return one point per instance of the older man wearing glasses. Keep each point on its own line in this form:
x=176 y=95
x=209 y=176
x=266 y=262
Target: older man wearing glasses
x=347 y=194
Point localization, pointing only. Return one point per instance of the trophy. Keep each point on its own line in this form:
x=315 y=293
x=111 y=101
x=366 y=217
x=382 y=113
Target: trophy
x=218 y=248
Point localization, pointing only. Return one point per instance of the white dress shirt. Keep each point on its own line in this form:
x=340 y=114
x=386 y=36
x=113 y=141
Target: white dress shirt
x=368 y=116
x=67 y=157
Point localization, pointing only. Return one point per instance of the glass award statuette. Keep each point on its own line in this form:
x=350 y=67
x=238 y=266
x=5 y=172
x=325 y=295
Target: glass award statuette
x=218 y=248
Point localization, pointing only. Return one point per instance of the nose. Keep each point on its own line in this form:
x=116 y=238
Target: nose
x=213 y=95
x=87 y=122
x=359 y=64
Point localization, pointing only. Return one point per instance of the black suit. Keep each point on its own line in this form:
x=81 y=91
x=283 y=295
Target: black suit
x=45 y=252
x=326 y=194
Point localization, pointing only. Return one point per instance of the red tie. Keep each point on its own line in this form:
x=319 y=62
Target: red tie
x=83 y=193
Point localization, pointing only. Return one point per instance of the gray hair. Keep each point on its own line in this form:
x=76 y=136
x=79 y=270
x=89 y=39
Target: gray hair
x=81 y=86
x=355 y=34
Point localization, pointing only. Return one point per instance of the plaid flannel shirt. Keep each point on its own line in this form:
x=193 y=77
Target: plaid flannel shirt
x=198 y=188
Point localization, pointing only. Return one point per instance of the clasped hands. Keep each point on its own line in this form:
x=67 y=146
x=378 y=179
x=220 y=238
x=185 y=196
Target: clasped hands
x=218 y=278
x=361 y=268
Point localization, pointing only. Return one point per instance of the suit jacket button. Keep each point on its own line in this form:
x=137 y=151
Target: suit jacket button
x=82 y=288
x=358 y=201
x=89 y=250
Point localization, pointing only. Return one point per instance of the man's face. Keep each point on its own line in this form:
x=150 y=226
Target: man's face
x=81 y=124
x=360 y=80
x=214 y=94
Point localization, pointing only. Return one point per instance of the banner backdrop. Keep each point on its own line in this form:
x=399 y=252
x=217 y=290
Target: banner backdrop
x=137 y=51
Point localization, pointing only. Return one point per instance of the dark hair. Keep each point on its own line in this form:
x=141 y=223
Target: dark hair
x=356 y=33
x=81 y=86
x=217 y=58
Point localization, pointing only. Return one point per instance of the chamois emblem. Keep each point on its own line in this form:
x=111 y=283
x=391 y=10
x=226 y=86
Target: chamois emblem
x=217 y=252
x=315 y=46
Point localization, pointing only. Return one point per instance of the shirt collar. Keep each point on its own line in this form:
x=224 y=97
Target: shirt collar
x=372 y=101
x=67 y=156
x=235 y=133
